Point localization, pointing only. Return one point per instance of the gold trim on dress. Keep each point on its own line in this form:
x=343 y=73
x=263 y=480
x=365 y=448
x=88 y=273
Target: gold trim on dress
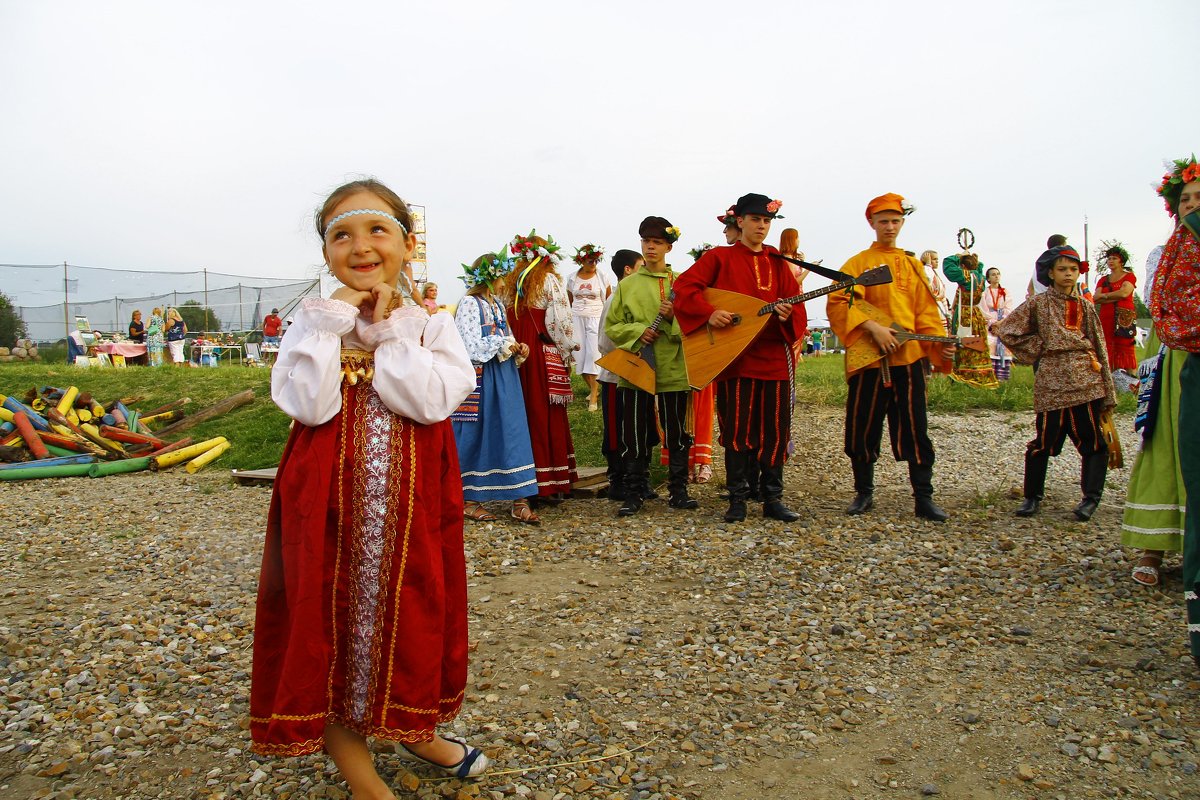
x=357 y=365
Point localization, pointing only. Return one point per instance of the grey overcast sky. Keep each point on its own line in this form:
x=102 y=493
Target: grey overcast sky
x=182 y=135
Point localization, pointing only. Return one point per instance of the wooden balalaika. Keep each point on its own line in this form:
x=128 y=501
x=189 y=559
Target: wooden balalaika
x=864 y=352
x=708 y=350
x=636 y=367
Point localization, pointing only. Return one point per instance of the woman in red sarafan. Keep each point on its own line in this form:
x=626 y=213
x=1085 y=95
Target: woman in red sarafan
x=540 y=315
x=1118 y=312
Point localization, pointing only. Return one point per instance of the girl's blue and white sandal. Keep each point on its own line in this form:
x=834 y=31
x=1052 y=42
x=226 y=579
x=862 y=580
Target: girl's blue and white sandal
x=473 y=764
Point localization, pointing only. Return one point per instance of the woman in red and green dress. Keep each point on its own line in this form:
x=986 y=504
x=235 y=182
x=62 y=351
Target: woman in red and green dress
x=1175 y=308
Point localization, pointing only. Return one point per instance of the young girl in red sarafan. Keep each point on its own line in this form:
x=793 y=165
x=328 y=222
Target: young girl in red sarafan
x=362 y=626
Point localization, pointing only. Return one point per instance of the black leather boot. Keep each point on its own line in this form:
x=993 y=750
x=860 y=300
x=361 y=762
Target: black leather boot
x=647 y=492
x=1091 y=480
x=1035 y=484
x=636 y=476
x=735 y=477
x=864 y=487
x=753 y=478
x=772 y=494
x=921 y=478
x=677 y=479
x=616 y=477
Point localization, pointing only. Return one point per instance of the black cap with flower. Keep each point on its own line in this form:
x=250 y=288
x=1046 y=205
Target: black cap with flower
x=659 y=228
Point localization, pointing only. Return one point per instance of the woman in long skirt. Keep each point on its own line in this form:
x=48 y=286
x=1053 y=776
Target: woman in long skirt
x=494 y=452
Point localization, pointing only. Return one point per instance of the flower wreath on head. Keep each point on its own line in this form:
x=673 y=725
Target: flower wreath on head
x=1179 y=172
x=526 y=249
x=495 y=266
x=588 y=254
x=1111 y=244
x=696 y=252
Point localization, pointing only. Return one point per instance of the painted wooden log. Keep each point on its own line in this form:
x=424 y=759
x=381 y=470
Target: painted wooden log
x=67 y=400
x=59 y=419
x=187 y=453
x=171 y=448
x=53 y=461
x=160 y=419
x=70 y=442
x=132 y=422
x=64 y=471
x=29 y=434
x=35 y=419
x=201 y=461
x=119 y=467
x=93 y=433
x=129 y=437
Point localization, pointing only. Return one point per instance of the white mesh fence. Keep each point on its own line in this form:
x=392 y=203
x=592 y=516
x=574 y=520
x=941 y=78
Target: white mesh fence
x=49 y=297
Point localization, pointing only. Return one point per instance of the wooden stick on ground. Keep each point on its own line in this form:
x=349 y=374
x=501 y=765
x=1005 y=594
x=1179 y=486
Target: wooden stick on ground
x=215 y=410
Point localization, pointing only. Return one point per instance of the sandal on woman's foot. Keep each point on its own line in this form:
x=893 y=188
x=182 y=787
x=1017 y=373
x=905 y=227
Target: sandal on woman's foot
x=522 y=513
x=473 y=763
x=477 y=513
x=1146 y=571
x=703 y=473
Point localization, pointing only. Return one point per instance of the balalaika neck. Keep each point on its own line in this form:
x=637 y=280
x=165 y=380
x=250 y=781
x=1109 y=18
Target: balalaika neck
x=926 y=337
x=800 y=298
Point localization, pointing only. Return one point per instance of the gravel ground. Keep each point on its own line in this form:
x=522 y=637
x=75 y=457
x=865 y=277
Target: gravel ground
x=836 y=657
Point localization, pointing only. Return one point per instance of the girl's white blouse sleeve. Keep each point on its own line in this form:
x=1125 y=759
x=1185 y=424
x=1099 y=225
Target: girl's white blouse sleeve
x=422 y=370
x=306 y=380
x=421 y=367
x=480 y=348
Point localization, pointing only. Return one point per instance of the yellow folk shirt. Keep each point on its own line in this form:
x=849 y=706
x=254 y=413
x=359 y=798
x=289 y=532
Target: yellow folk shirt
x=908 y=300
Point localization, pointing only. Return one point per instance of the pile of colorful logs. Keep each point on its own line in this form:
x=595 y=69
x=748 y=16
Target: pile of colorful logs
x=58 y=433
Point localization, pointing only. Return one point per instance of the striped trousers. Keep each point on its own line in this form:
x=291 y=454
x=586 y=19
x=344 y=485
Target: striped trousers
x=903 y=404
x=1080 y=423
x=755 y=417
x=639 y=433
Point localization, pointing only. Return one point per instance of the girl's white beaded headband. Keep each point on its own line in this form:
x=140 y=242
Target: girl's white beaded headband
x=377 y=213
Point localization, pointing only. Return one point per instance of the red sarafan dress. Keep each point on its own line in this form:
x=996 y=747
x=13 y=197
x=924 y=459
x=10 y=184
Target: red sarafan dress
x=545 y=323
x=1121 y=354
x=361 y=616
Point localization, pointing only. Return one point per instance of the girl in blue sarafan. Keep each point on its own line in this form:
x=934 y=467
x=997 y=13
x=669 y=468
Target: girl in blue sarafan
x=490 y=427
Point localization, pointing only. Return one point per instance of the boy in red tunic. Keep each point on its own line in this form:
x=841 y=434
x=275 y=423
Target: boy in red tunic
x=754 y=392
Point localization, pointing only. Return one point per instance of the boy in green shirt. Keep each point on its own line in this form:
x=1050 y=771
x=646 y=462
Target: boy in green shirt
x=638 y=301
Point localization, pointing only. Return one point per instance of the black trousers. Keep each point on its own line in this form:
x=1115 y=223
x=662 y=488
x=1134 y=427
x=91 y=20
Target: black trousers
x=755 y=417
x=639 y=431
x=1080 y=423
x=902 y=404
x=610 y=413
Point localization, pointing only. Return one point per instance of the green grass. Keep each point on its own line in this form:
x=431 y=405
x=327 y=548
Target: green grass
x=259 y=430
x=822 y=381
